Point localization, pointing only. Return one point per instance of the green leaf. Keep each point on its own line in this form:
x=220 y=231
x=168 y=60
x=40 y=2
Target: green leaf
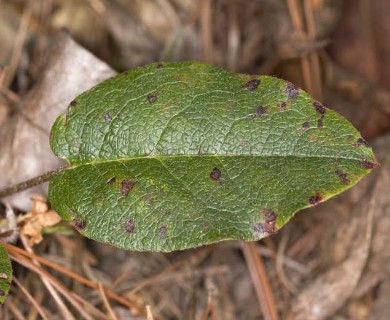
x=177 y=155
x=5 y=273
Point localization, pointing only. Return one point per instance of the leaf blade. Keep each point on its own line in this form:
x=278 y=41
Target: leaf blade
x=219 y=151
x=5 y=274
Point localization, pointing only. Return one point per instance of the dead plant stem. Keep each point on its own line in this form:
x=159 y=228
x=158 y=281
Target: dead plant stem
x=31 y=182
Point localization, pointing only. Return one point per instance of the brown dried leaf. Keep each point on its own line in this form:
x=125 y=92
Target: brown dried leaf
x=26 y=152
x=40 y=217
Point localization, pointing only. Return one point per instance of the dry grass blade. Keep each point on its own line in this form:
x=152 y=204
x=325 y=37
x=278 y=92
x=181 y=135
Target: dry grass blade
x=15 y=250
x=30 y=298
x=106 y=303
x=170 y=268
x=210 y=310
x=279 y=266
x=205 y=21
x=14 y=310
x=61 y=305
x=260 y=280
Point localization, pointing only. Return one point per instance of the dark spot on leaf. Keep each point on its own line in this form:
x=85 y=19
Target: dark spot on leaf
x=258 y=227
x=270 y=220
x=216 y=174
x=260 y=110
x=252 y=85
x=282 y=105
x=162 y=230
x=360 y=142
x=152 y=98
x=130 y=226
x=73 y=103
x=269 y=215
x=319 y=108
x=292 y=91
x=343 y=177
x=160 y=66
x=2 y=293
x=107 y=118
x=320 y=122
x=126 y=73
x=126 y=187
x=111 y=181
x=305 y=125
x=349 y=137
x=316 y=199
x=79 y=224
x=368 y=164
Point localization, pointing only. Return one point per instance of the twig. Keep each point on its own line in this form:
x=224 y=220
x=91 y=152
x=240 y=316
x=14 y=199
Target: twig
x=205 y=23
x=260 y=280
x=14 y=310
x=106 y=303
x=30 y=298
x=31 y=183
x=61 y=305
x=15 y=250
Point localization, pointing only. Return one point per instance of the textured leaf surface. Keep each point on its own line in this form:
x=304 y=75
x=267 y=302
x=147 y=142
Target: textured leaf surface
x=5 y=273
x=177 y=155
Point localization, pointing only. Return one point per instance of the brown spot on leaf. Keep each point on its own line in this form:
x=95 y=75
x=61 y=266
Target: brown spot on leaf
x=152 y=98
x=126 y=187
x=130 y=226
x=160 y=66
x=111 y=181
x=260 y=110
x=252 y=85
x=320 y=122
x=282 y=105
x=126 y=73
x=73 y=103
x=216 y=174
x=2 y=293
x=79 y=224
x=162 y=231
x=292 y=91
x=107 y=118
x=343 y=177
x=316 y=199
x=258 y=227
x=306 y=125
x=270 y=220
x=319 y=108
x=368 y=164
x=360 y=142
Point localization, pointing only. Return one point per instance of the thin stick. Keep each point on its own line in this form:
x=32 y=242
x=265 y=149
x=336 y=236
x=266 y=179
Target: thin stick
x=260 y=280
x=15 y=250
x=30 y=298
x=106 y=303
x=61 y=305
x=30 y=183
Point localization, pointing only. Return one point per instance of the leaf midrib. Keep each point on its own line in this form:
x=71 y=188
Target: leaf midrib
x=218 y=156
